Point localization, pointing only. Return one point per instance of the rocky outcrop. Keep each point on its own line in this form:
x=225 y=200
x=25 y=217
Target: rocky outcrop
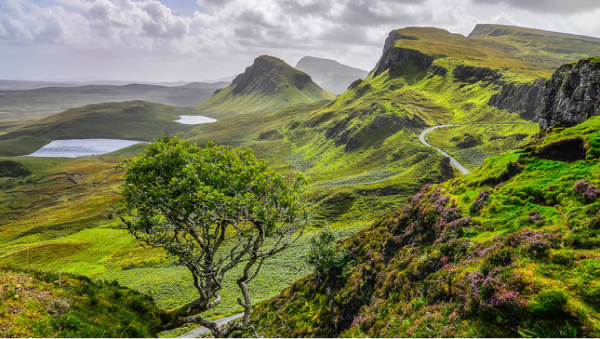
x=523 y=98
x=572 y=95
x=396 y=59
x=472 y=74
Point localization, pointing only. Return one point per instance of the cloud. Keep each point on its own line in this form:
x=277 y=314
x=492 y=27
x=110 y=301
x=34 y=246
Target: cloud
x=222 y=37
x=548 y=6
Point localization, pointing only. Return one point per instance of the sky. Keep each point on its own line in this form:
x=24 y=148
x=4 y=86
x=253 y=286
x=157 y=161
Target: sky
x=195 y=40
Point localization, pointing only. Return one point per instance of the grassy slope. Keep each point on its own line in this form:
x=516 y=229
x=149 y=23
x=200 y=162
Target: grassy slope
x=274 y=88
x=472 y=144
x=543 y=48
x=45 y=304
x=133 y=120
x=523 y=262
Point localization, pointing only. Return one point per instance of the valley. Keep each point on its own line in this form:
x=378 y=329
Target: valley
x=431 y=170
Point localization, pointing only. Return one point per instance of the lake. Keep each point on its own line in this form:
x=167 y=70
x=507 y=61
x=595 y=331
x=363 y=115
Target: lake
x=194 y=120
x=75 y=148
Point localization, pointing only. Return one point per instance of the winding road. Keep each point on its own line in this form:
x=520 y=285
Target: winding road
x=453 y=161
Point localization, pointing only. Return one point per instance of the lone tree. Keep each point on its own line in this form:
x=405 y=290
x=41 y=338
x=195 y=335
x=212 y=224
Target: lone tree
x=213 y=209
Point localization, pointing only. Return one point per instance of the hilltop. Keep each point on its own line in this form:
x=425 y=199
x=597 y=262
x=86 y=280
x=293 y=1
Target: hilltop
x=267 y=86
x=330 y=74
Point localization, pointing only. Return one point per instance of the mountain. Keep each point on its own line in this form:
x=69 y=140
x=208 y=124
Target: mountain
x=508 y=251
x=268 y=85
x=330 y=74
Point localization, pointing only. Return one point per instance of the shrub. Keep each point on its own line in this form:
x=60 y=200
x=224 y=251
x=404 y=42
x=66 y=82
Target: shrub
x=587 y=191
x=327 y=257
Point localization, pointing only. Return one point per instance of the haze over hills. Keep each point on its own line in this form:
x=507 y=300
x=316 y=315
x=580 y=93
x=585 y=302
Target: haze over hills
x=18 y=106
x=268 y=85
x=362 y=157
x=330 y=74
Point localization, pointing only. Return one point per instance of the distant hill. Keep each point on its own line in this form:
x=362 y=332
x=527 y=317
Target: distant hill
x=131 y=120
x=330 y=74
x=19 y=105
x=268 y=85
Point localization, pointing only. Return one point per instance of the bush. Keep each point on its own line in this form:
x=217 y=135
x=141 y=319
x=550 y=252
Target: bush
x=327 y=257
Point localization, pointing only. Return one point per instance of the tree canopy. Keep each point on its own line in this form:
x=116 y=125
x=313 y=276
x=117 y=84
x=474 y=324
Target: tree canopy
x=212 y=208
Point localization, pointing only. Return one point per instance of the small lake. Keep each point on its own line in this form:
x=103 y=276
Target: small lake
x=75 y=148
x=194 y=120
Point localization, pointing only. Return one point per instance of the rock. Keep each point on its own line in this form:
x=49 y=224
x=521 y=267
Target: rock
x=472 y=74
x=526 y=98
x=572 y=95
x=395 y=58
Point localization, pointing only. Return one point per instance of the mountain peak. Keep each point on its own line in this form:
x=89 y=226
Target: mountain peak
x=269 y=75
x=269 y=84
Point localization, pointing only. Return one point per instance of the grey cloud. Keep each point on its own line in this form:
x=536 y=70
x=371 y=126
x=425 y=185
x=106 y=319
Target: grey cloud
x=213 y=4
x=376 y=13
x=348 y=35
x=547 y=6
x=254 y=18
x=312 y=8
x=52 y=31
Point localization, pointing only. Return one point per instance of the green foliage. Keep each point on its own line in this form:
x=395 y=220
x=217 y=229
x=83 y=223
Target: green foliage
x=213 y=209
x=550 y=304
x=327 y=257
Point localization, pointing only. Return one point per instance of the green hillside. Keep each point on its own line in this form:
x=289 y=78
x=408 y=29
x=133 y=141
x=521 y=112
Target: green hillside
x=46 y=304
x=132 y=120
x=511 y=250
x=268 y=85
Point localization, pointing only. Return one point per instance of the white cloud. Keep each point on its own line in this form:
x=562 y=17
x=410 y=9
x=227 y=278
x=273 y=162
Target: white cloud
x=222 y=37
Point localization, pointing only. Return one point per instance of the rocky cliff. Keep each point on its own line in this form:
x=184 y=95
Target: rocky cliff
x=396 y=58
x=572 y=95
x=523 y=98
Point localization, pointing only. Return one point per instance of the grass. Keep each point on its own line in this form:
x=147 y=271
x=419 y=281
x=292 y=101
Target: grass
x=45 y=304
x=472 y=144
x=510 y=250
x=19 y=106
